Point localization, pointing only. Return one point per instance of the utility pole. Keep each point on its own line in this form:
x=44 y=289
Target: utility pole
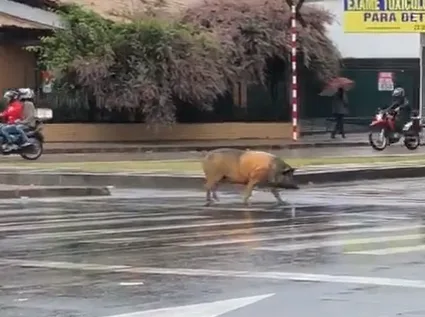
x=422 y=74
x=295 y=7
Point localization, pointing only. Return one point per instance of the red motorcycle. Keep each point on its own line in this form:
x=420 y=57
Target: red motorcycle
x=383 y=125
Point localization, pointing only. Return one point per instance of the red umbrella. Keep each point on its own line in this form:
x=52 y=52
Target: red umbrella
x=336 y=83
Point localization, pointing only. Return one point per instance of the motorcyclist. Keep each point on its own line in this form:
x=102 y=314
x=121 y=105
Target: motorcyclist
x=12 y=114
x=400 y=105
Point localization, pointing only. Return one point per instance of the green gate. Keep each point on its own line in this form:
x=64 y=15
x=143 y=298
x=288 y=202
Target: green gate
x=365 y=97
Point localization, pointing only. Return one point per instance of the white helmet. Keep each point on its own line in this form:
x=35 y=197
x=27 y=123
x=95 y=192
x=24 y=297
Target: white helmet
x=10 y=95
x=26 y=93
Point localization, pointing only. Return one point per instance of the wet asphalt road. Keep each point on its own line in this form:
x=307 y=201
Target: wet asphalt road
x=352 y=249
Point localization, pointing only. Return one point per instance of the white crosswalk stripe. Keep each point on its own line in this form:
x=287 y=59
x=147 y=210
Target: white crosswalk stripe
x=134 y=222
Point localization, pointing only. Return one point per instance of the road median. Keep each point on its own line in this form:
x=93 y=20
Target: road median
x=15 y=190
x=187 y=174
x=196 y=180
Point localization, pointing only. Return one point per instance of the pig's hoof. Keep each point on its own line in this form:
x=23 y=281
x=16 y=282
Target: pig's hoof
x=208 y=203
x=282 y=203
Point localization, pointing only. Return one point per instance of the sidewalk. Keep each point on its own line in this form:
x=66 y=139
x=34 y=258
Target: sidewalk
x=313 y=141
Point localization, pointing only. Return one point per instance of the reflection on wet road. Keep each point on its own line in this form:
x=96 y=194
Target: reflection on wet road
x=358 y=247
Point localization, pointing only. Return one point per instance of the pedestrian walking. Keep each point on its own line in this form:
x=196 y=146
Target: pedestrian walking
x=339 y=111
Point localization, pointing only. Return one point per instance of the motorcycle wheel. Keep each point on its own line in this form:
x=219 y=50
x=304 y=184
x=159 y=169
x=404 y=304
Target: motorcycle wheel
x=34 y=151
x=412 y=142
x=380 y=145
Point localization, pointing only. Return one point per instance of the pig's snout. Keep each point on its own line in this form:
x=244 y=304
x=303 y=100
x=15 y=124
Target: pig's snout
x=287 y=181
x=288 y=185
x=291 y=186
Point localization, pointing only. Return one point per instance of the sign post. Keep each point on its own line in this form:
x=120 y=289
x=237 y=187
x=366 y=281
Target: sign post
x=421 y=75
x=294 y=77
x=385 y=81
x=295 y=7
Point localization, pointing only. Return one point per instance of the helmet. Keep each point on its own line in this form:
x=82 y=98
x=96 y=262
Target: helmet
x=11 y=95
x=398 y=92
x=26 y=93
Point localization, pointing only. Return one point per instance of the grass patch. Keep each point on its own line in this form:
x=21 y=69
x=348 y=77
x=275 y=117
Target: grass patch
x=195 y=166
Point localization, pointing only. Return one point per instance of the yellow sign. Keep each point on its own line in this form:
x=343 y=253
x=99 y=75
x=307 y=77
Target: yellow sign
x=384 y=16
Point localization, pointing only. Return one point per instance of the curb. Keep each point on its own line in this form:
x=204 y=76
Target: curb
x=39 y=192
x=196 y=182
x=147 y=148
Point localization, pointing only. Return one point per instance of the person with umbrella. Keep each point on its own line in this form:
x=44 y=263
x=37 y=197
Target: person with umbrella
x=339 y=110
x=337 y=89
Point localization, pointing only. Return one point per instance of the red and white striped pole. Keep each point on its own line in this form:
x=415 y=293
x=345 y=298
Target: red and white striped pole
x=294 y=85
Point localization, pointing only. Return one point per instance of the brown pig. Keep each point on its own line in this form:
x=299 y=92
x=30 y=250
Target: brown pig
x=250 y=168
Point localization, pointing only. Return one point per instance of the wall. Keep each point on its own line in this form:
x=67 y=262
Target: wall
x=369 y=45
x=17 y=67
x=181 y=132
x=406 y=75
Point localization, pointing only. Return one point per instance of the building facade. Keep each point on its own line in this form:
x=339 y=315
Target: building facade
x=366 y=57
x=21 y=25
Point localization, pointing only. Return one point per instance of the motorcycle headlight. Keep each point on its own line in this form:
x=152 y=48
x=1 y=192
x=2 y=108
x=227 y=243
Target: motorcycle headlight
x=379 y=116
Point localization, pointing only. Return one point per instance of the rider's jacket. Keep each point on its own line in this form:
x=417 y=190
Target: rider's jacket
x=13 y=112
x=399 y=103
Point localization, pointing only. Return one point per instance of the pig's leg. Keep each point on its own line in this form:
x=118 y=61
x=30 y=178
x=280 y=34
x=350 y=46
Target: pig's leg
x=214 y=192
x=276 y=195
x=248 y=190
x=257 y=176
x=211 y=186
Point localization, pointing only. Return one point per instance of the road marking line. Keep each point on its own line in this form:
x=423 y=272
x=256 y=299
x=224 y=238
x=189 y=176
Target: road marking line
x=376 y=216
x=313 y=245
x=213 y=309
x=115 y=240
x=286 y=276
x=21 y=299
x=82 y=233
x=131 y=283
x=29 y=212
x=300 y=235
x=74 y=218
x=388 y=251
x=265 y=208
x=96 y=222
x=216 y=233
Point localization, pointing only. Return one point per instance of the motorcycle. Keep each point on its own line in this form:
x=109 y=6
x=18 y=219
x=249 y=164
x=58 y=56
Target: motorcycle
x=384 y=124
x=35 y=138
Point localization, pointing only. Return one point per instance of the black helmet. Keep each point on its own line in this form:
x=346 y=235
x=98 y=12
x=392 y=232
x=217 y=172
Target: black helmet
x=398 y=92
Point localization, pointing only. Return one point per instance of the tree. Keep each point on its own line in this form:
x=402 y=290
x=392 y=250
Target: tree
x=144 y=65
x=252 y=32
x=154 y=61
